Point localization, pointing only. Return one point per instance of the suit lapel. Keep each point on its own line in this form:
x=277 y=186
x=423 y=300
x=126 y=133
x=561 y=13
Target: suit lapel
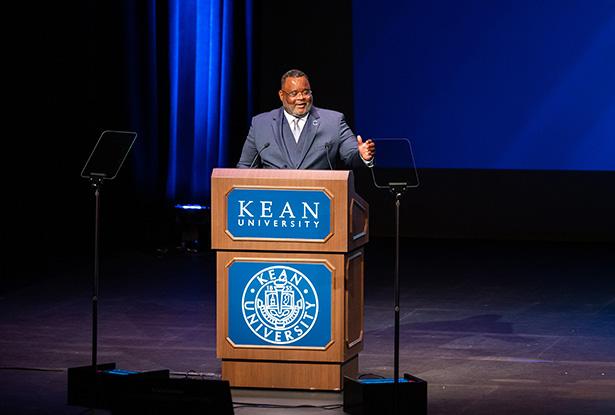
x=312 y=124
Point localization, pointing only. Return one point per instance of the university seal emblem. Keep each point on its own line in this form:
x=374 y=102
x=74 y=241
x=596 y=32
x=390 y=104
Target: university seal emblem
x=280 y=304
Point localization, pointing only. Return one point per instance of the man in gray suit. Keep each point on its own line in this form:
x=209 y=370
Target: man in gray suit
x=301 y=136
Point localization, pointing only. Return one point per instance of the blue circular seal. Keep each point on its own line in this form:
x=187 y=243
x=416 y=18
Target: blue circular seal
x=280 y=304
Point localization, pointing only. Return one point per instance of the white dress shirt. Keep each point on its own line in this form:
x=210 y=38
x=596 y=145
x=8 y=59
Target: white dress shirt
x=291 y=121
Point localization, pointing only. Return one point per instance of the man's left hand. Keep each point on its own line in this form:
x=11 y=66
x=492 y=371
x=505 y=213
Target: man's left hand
x=367 y=148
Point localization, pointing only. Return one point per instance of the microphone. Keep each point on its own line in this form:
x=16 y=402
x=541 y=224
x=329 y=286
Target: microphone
x=327 y=147
x=258 y=153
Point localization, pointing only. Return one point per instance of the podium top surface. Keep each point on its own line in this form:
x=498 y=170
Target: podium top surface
x=282 y=174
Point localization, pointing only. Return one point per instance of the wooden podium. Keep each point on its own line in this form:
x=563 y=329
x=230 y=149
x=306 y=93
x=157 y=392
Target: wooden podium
x=289 y=276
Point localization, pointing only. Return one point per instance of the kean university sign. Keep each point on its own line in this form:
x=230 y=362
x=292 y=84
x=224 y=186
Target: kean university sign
x=279 y=214
x=279 y=304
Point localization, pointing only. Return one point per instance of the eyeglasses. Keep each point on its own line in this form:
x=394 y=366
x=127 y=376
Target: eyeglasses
x=294 y=94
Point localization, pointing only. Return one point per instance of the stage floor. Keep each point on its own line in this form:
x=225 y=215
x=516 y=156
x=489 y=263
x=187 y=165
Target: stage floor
x=493 y=327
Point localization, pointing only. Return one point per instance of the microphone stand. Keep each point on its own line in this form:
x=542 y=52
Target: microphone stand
x=258 y=153
x=327 y=147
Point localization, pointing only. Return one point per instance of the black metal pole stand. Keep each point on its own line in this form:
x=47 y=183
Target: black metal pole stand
x=397 y=191
x=97 y=184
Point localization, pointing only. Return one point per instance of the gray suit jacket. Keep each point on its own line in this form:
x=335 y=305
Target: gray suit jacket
x=325 y=132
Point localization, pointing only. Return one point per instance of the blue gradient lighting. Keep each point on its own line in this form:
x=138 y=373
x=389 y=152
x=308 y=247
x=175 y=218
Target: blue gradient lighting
x=484 y=84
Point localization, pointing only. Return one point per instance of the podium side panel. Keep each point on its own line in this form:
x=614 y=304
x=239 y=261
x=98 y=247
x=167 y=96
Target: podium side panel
x=358 y=222
x=354 y=303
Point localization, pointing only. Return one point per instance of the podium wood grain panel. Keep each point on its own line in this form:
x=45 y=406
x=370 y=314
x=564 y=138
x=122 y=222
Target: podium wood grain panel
x=289 y=375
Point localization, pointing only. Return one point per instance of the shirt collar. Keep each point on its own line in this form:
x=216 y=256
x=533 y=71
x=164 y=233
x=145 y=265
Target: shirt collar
x=290 y=118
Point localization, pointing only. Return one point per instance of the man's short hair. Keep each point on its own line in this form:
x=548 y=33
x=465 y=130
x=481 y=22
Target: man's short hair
x=293 y=73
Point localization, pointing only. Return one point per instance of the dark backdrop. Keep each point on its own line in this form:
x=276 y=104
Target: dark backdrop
x=51 y=124
x=315 y=39
x=68 y=82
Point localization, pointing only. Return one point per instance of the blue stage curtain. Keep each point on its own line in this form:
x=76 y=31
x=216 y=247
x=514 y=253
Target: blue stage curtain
x=200 y=39
x=188 y=89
